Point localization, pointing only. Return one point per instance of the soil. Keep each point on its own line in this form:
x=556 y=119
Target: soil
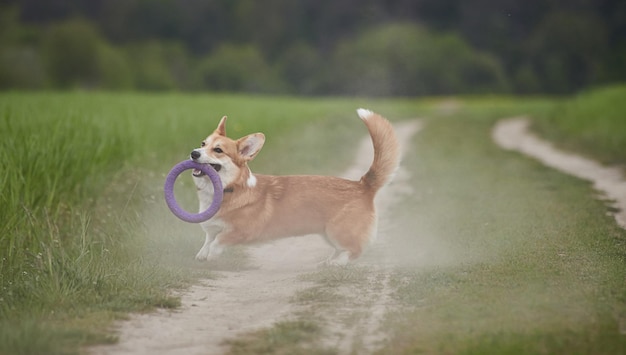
x=243 y=301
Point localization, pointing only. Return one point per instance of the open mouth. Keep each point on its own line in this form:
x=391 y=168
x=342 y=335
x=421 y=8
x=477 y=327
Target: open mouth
x=199 y=173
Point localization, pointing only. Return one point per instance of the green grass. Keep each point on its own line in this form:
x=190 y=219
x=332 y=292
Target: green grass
x=287 y=337
x=499 y=254
x=496 y=253
x=84 y=227
x=592 y=123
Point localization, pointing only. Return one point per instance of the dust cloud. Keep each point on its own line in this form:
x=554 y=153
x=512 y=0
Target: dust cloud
x=243 y=298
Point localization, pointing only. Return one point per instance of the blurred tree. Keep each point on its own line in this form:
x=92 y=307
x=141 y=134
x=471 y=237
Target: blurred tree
x=324 y=23
x=302 y=68
x=115 y=19
x=383 y=61
x=268 y=25
x=159 y=65
x=613 y=14
x=152 y=19
x=237 y=68
x=200 y=25
x=21 y=68
x=404 y=59
x=568 y=50
x=70 y=50
x=114 y=69
x=20 y=63
x=527 y=39
x=526 y=80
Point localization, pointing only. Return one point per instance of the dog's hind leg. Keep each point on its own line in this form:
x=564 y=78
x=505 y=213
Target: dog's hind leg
x=333 y=256
x=215 y=249
x=347 y=246
x=349 y=240
x=341 y=258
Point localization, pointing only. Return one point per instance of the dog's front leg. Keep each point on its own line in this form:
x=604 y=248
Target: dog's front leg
x=204 y=251
x=228 y=236
x=211 y=231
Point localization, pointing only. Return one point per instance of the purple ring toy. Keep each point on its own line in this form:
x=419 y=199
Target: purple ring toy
x=170 y=199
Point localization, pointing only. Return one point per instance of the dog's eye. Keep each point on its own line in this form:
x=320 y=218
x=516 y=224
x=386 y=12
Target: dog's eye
x=218 y=150
x=202 y=144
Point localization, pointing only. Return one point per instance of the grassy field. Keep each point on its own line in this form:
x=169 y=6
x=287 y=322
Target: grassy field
x=592 y=123
x=493 y=253
x=85 y=236
x=513 y=257
x=519 y=258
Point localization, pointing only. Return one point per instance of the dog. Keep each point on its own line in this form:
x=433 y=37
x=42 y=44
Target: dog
x=258 y=208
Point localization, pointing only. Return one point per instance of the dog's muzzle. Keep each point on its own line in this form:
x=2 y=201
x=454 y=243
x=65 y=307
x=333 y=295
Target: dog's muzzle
x=195 y=155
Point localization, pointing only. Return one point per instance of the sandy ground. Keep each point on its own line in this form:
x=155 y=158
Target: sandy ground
x=514 y=134
x=243 y=301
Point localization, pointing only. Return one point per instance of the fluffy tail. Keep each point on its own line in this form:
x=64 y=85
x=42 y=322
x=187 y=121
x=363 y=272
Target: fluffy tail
x=386 y=150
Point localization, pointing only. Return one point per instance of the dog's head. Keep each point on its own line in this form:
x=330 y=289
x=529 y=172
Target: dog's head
x=228 y=157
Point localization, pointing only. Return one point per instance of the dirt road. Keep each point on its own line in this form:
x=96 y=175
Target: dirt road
x=243 y=301
x=514 y=134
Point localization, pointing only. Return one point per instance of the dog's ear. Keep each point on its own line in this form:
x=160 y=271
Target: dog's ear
x=250 y=145
x=221 y=127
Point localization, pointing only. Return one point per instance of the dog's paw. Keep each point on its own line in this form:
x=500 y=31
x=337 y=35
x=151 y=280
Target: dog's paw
x=212 y=257
x=334 y=262
x=340 y=260
x=203 y=254
x=337 y=263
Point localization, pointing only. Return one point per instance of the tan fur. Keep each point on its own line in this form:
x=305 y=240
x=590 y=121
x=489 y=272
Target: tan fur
x=259 y=207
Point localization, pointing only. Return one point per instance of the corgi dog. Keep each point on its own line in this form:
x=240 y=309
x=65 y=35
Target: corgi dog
x=258 y=208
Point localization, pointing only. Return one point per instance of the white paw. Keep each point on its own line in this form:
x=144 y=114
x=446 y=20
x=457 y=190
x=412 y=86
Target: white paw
x=215 y=250
x=340 y=260
x=203 y=254
x=337 y=263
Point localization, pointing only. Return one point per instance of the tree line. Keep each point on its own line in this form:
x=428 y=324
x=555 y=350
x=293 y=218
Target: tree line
x=314 y=47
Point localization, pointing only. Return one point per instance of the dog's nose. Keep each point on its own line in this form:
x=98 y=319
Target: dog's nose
x=195 y=154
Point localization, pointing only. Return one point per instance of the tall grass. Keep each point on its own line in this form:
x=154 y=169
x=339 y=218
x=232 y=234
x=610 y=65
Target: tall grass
x=499 y=254
x=49 y=166
x=592 y=123
x=84 y=232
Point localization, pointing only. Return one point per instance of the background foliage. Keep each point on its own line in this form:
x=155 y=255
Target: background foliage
x=370 y=47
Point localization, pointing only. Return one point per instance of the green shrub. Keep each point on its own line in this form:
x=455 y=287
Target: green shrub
x=592 y=122
x=21 y=68
x=114 y=69
x=150 y=67
x=567 y=51
x=404 y=59
x=70 y=52
x=21 y=65
x=237 y=68
x=301 y=66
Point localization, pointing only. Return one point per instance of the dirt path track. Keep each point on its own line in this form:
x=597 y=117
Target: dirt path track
x=514 y=134
x=243 y=301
